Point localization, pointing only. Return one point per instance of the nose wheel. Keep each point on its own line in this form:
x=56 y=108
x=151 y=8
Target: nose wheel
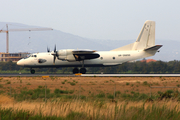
x=32 y=71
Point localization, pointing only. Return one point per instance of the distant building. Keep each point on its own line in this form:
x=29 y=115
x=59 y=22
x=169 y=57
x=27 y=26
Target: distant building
x=14 y=57
x=148 y=60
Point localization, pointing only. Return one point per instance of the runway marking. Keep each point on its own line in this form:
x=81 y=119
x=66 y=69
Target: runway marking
x=130 y=75
x=45 y=77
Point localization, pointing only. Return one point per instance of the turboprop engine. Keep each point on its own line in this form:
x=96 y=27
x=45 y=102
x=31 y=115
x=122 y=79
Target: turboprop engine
x=66 y=55
x=72 y=55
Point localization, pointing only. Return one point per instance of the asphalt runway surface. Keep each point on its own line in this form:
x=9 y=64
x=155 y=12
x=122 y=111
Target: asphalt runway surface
x=91 y=75
x=35 y=75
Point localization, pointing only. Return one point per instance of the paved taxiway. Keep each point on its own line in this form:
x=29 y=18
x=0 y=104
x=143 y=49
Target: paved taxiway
x=92 y=75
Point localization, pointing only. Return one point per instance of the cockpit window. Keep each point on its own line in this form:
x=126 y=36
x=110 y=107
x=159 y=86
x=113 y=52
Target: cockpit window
x=33 y=55
x=30 y=56
x=27 y=56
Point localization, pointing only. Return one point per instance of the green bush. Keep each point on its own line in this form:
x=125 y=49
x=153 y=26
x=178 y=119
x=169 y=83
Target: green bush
x=40 y=86
x=100 y=95
x=28 y=84
x=8 y=82
x=110 y=96
x=58 y=91
x=71 y=91
x=72 y=83
x=82 y=97
x=117 y=92
x=1 y=91
x=145 y=83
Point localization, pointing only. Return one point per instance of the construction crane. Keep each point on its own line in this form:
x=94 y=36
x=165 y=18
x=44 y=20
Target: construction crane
x=26 y=29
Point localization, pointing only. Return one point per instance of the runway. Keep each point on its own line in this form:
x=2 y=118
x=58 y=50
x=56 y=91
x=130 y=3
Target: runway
x=91 y=75
x=131 y=75
x=36 y=75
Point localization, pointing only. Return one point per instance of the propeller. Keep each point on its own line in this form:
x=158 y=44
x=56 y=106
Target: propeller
x=48 y=50
x=55 y=54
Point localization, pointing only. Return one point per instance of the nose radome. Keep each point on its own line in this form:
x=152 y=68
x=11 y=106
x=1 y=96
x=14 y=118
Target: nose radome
x=20 y=62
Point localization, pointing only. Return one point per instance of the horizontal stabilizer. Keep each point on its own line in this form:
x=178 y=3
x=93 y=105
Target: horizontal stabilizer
x=156 y=47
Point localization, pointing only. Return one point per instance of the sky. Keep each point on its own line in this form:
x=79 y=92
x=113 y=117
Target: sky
x=97 y=19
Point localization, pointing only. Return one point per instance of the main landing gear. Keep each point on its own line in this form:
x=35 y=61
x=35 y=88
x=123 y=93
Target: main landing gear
x=32 y=71
x=82 y=70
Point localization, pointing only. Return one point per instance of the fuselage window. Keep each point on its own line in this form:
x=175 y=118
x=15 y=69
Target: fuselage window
x=101 y=58
x=113 y=57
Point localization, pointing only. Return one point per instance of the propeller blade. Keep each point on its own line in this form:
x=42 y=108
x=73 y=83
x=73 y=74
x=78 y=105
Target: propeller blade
x=48 y=50
x=54 y=59
x=55 y=54
x=55 y=48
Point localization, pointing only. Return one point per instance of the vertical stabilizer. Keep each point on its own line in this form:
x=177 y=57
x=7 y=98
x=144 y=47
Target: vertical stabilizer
x=146 y=37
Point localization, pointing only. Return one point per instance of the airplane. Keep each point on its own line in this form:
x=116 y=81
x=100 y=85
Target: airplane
x=143 y=47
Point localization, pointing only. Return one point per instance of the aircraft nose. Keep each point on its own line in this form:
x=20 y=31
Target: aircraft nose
x=20 y=63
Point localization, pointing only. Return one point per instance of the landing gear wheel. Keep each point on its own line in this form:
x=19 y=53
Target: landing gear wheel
x=75 y=70
x=32 y=71
x=83 y=70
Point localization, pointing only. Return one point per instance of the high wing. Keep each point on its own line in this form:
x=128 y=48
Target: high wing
x=85 y=54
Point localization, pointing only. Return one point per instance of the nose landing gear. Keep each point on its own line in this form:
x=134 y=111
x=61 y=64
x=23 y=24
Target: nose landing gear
x=32 y=71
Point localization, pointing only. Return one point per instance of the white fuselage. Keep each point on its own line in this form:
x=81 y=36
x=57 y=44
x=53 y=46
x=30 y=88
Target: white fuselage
x=107 y=58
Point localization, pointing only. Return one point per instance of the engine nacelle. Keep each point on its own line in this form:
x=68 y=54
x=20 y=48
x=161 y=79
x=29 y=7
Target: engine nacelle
x=66 y=55
x=62 y=57
x=71 y=58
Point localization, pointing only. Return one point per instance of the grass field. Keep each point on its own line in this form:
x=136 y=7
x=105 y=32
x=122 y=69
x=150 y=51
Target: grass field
x=89 y=98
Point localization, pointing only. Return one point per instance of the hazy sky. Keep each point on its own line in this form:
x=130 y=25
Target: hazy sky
x=97 y=19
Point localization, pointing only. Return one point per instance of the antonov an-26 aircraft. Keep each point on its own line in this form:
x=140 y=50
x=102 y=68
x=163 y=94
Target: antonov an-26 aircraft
x=143 y=47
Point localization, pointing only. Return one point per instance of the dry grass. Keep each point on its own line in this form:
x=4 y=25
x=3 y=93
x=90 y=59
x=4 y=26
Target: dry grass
x=63 y=108
x=87 y=84
x=5 y=99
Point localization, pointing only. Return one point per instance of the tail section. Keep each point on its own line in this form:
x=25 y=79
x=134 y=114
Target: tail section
x=146 y=38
